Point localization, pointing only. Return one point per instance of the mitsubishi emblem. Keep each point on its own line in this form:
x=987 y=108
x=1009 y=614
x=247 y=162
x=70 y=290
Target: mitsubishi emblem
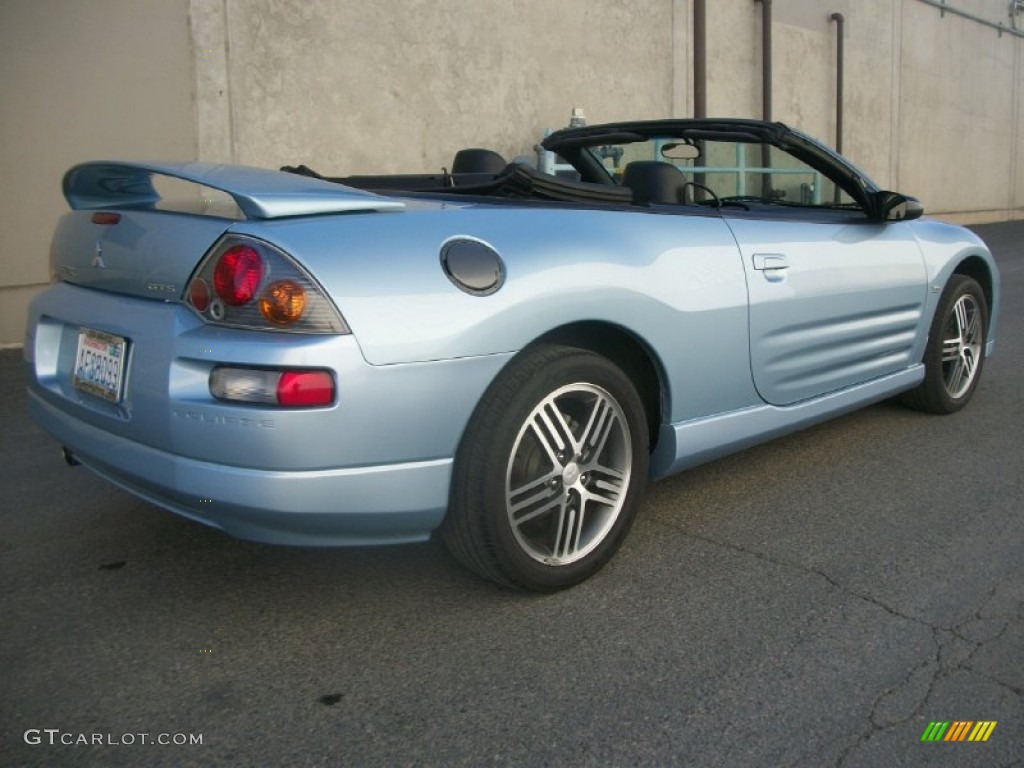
x=97 y=259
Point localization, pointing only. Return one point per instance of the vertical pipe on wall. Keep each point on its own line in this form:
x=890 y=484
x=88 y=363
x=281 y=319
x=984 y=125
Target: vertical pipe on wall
x=838 y=19
x=700 y=83
x=766 y=58
x=766 y=91
x=700 y=71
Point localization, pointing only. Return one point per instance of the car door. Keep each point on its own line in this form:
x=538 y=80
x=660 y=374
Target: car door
x=835 y=299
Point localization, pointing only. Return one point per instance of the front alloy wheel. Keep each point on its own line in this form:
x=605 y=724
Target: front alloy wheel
x=955 y=354
x=961 y=346
x=550 y=470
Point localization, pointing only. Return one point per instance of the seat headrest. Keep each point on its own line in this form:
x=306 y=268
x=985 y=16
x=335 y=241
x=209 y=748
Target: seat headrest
x=653 y=181
x=478 y=160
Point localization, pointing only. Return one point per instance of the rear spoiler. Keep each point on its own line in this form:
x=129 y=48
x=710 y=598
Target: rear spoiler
x=258 y=193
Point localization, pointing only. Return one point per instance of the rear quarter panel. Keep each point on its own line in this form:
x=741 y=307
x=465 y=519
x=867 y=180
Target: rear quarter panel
x=674 y=281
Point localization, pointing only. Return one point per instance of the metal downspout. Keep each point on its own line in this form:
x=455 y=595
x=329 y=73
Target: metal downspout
x=700 y=59
x=838 y=19
x=700 y=84
x=766 y=89
x=766 y=59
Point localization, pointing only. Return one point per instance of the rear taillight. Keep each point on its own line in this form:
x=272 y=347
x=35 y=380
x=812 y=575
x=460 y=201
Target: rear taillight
x=295 y=388
x=248 y=283
x=237 y=275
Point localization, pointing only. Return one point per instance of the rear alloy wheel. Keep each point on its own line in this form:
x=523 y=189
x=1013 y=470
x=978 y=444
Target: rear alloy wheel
x=955 y=354
x=550 y=471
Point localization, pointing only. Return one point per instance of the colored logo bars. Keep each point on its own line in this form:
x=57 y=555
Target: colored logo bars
x=959 y=730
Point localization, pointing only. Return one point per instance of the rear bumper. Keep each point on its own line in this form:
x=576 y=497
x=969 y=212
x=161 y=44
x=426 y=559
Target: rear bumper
x=381 y=504
x=374 y=467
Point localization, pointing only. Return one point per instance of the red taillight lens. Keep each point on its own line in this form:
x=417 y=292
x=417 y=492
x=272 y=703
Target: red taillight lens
x=199 y=294
x=238 y=275
x=305 y=388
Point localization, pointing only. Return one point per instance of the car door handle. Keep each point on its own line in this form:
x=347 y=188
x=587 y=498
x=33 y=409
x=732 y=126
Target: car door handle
x=772 y=265
x=768 y=261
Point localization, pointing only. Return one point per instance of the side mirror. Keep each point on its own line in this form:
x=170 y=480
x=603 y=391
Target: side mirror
x=892 y=206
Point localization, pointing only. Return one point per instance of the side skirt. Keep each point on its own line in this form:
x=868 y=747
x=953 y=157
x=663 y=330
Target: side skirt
x=689 y=443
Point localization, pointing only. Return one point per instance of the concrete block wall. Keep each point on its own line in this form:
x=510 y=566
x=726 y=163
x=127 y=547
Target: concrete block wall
x=934 y=102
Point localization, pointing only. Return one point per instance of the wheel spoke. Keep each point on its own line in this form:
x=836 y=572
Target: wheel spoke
x=973 y=331
x=606 y=494
x=531 y=492
x=554 y=422
x=970 y=362
x=556 y=502
x=950 y=350
x=548 y=438
x=569 y=531
x=602 y=473
x=599 y=427
x=960 y=310
x=597 y=413
x=955 y=375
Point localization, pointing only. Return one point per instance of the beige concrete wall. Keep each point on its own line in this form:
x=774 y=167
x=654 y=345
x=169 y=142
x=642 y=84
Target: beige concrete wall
x=871 y=97
x=957 y=124
x=932 y=102
x=81 y=80
x=934 y=105
x=349 y=86
x=733 y=59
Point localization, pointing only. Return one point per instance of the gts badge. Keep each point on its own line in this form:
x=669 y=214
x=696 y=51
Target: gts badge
x=222 y=421
x=162 y=288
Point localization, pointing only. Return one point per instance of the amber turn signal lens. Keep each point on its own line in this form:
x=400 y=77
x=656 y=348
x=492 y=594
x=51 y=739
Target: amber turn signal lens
x=283 y=302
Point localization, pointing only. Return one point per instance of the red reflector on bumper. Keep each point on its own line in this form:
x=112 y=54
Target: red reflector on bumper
x=105 y=217
x=305 y=388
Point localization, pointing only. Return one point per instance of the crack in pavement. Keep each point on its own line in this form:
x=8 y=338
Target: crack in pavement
x=954 y=646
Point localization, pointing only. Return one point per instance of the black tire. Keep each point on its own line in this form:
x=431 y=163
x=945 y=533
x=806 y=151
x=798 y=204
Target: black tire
x=550 y=470
x=955 y=354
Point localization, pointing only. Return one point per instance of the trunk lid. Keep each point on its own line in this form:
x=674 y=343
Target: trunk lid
x=148 y=254
x=140 y=229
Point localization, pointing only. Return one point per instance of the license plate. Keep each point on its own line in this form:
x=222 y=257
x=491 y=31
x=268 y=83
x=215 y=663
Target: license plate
x=99 y=364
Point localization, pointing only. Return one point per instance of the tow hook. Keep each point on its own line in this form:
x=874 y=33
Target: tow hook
x=69 y=457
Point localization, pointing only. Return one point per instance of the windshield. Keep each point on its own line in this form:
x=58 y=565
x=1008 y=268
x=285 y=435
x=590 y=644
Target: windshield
x=730 y=171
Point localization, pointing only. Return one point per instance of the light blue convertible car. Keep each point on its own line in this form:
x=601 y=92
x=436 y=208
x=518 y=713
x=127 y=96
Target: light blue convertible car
x=499 y=356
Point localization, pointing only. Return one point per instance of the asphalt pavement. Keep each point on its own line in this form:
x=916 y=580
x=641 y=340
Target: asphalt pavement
x=815 y=601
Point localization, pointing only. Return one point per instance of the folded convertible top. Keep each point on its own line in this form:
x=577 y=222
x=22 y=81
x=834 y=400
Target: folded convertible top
x=522 y=180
